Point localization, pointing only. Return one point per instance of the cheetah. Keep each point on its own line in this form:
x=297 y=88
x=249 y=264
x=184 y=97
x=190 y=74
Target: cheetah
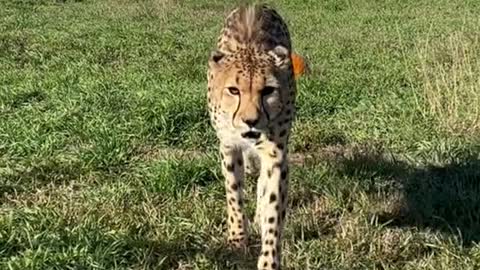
x=251 y=102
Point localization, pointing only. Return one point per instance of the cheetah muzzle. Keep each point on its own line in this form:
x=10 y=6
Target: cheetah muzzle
x=251 y=135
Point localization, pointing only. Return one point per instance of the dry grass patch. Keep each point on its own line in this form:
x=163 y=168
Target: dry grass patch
x=449 y=72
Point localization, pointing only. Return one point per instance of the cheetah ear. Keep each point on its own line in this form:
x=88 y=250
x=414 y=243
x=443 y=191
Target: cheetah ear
x=215 y=58
x=281 y=56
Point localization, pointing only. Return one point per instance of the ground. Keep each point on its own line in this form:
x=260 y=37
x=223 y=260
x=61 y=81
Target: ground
x=107 y=159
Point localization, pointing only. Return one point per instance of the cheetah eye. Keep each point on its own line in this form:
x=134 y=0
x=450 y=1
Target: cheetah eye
x=267 y=90
x=234 y=91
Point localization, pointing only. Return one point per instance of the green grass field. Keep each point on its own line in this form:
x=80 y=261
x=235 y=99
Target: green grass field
x=108 y=161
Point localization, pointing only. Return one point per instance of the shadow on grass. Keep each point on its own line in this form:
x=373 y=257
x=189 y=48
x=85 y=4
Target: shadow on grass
x=218 y=257
x=105 y=246
x=440 y=197
x=38 y=176
x=177 y=254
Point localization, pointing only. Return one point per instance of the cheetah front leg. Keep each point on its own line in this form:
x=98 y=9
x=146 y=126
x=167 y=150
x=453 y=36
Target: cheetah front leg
x=274 y=176
x=233 y=171
x=261 y=191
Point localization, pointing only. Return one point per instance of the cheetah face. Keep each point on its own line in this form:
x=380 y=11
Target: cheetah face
x=249 y=89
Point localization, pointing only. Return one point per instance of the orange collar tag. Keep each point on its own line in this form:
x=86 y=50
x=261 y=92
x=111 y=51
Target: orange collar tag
x=299 y=65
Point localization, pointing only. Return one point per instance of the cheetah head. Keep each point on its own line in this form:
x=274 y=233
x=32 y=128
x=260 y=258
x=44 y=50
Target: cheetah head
x=249 y=88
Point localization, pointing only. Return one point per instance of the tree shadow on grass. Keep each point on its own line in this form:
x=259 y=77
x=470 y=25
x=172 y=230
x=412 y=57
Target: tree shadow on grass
x=445 y=197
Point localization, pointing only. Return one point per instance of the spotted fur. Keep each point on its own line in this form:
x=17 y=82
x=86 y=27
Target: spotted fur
x=251 y=100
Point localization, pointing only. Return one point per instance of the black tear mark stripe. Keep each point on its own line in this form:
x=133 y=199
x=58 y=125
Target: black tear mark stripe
x=238 y=108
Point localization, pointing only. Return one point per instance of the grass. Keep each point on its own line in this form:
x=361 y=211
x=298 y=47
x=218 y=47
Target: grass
x=451 y=84
x=107 y=159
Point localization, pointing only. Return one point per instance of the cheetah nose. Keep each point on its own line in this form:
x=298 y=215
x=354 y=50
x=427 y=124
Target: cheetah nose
x=251 y=122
